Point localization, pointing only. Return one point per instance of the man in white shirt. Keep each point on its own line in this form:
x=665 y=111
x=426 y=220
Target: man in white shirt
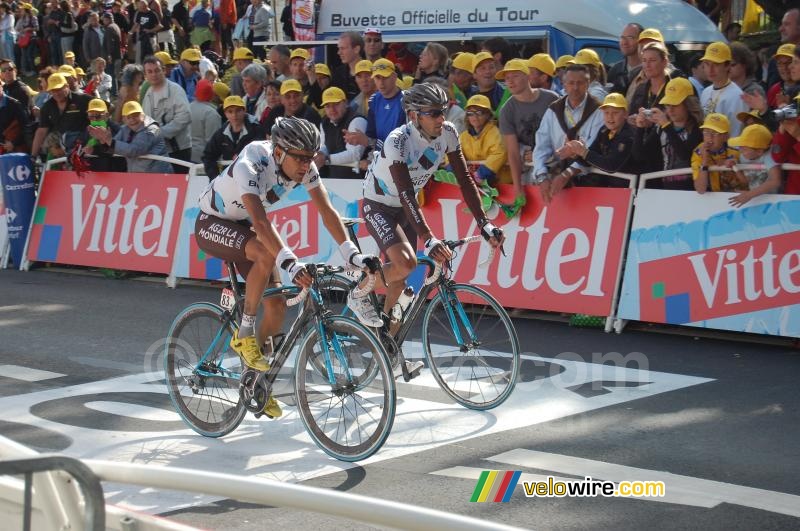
x=576 y=116
x=722 y=96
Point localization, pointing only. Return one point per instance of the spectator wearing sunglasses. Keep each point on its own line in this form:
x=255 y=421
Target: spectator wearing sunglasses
x=373 y=44
x=187 y=73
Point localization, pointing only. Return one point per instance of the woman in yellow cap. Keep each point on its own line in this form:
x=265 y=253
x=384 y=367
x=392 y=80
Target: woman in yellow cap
x=669 y=144
x=483 y=144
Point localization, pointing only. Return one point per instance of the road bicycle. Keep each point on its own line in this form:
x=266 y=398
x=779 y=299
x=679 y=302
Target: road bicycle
x=343 y=384
x=468 y=339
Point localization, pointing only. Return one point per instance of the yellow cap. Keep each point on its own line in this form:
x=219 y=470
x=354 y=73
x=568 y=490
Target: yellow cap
x=302 y=53
x=717 y=52
x=753 y=136
x=651 y=33
x=79 y=71
x=243 y=54
x=797 y=97
x=56 y=81
x=321 y=69
x=69 y=55
x=465 y=61
x=564 y=61
x=131 y=107
x=785 y=50
x=291 y=85
x=676 y=91
x=67 y=71
x=364 y=65
x=543 y=63
x=716 y=122
x=405 y=82
x=97 y=105
x=221 y=90
x=744 y=116
x=514 y=65
x=165 y=58
x=615 y=99
x=233 y=101
x=333 y=95
x=587 y=56
x=479 y=58
x=190 y=54
x=479 y=100
x=383 y=68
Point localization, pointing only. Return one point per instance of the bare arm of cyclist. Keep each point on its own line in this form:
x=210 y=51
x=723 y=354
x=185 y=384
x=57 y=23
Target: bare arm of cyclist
x=330 y=218
x=468 y=188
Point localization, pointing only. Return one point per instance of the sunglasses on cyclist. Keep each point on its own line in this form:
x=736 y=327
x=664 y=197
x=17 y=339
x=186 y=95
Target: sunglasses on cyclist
x=301 y=158
x=433 y=113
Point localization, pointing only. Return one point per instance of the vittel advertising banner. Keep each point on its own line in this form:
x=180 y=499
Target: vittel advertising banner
x=694 y=260
x=562 y=257
x=117 y=220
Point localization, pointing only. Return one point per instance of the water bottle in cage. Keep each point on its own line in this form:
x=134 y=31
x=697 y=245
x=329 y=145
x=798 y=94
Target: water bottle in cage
x=403 y=304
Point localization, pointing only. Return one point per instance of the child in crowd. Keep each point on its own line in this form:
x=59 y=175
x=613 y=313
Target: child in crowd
x=611 y=150
x=753 y=146
x=482 y=142
x=714 y=151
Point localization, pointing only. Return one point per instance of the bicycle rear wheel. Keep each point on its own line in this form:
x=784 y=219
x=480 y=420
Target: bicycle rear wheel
x=471 y=346
x=202 y=372
x=348 y=415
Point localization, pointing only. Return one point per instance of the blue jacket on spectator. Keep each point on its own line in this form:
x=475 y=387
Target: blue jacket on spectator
x=187 y=84
x=146 y=141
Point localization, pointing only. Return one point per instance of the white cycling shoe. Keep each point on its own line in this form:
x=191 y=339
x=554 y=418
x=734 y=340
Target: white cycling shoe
x=364 y=310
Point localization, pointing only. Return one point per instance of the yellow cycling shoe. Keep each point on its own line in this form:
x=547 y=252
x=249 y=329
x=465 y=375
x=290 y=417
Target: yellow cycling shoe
x=272 y=409
x=248 y=349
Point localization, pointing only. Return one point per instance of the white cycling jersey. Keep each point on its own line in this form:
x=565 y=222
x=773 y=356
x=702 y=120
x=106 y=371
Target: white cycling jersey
x=254 y=171
x=406 y=145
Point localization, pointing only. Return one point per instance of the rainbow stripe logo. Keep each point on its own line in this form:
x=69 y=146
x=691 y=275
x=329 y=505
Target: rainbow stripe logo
x=496 y=485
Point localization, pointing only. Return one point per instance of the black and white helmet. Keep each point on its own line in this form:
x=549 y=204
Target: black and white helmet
x=425 y=96
x=295 y=133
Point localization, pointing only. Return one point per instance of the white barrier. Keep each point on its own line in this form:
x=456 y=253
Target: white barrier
x=58 y=501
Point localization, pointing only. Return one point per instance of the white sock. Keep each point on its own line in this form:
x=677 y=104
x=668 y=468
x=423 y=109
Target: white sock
x=247 y=326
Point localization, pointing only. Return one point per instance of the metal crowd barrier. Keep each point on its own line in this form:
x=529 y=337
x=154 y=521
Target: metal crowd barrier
x=58 y=505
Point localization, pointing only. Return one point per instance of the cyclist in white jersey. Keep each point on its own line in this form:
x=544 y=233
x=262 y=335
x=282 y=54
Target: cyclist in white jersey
x=407 y=160
x=233 y=225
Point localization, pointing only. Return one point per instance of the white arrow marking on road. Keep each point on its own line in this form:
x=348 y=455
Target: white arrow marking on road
x=684 y=490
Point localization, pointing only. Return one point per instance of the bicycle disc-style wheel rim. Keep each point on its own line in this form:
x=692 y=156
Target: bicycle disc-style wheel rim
x=482 y=374
x=209 y=404
x=351 y=419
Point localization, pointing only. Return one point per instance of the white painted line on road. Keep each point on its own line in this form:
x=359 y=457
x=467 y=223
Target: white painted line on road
x=685 y=490
x=134 y=411
x=27 y=374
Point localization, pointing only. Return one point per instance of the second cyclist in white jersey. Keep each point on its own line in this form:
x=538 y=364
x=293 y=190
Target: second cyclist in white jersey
x=405 y=163
x=233 y=225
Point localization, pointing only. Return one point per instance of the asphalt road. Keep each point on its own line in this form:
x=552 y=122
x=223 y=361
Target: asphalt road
x=716 y=420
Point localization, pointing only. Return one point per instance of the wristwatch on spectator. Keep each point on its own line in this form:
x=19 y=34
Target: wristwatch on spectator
x=540 y=178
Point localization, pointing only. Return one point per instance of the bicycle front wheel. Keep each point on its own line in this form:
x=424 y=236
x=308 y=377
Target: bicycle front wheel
x=346 y=405
x=471 y=346
x=202 y=372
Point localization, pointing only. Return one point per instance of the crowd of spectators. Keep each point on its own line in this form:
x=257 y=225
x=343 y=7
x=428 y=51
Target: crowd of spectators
x=189 y=81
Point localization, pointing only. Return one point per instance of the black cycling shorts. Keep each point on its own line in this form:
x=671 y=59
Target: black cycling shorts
x=388 y=225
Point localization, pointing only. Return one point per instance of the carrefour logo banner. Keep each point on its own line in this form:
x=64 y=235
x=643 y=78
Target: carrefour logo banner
x=694 y=260
x=117 y=220
x=16 y=177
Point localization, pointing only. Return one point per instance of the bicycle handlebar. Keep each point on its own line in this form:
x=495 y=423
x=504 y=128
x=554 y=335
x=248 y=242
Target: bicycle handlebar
x=453 y=245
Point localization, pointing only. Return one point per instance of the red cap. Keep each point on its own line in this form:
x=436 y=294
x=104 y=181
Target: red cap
x=204 y=90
